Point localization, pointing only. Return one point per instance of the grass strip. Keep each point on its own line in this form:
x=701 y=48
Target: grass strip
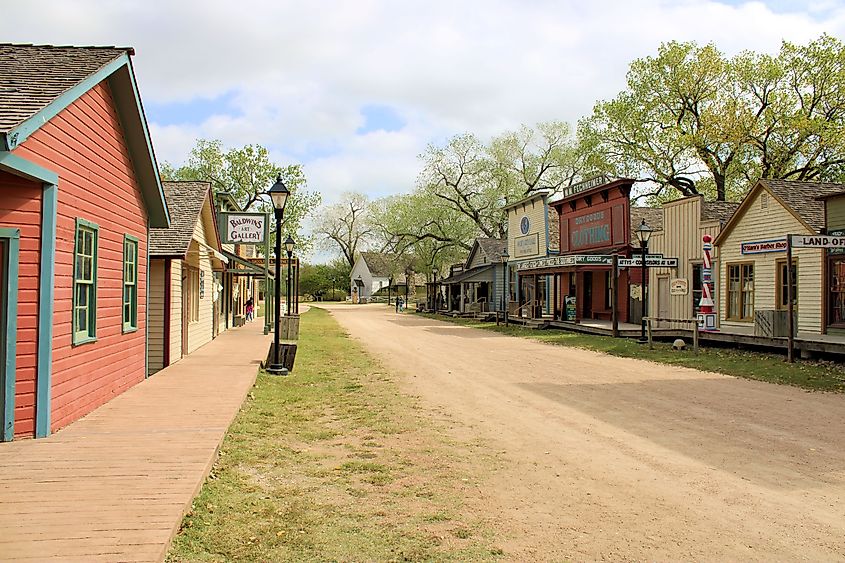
x=772 y=368
x=333 y=463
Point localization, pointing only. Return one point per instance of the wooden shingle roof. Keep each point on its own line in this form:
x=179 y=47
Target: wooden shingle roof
x=33 y=76
x=802 y=198
x=185 y=201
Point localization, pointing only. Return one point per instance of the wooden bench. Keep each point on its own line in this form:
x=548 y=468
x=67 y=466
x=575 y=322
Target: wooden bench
x=603 y=315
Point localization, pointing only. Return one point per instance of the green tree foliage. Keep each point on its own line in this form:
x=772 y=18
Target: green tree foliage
x=464 y=186
x=247 y=173
x=325 y=281
x=696 y=121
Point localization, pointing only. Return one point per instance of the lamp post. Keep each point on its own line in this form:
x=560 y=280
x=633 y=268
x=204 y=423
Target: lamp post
x=643 y=233
x=289 y=248
x=505 y=288
x=436 y=289
x=279 y=194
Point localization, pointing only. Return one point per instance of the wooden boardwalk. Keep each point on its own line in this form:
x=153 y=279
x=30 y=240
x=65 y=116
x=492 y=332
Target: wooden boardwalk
x=114 y=485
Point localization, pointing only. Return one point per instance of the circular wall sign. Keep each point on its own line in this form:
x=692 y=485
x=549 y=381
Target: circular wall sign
x=524 y=225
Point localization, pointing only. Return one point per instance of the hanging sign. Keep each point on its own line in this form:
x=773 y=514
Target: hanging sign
x=243 y=228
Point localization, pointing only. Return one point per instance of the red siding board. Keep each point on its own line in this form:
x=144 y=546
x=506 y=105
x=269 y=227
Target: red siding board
x=85 y=145
x=20 y=208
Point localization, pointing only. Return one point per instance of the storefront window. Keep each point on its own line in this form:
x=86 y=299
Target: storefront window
x=783 y=288
x=740 y=292
x=837 y=292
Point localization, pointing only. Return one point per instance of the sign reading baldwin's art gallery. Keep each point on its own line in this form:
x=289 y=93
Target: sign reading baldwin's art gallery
x=244 y=228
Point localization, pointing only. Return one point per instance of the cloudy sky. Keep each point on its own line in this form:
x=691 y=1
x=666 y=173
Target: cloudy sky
x=355 y=90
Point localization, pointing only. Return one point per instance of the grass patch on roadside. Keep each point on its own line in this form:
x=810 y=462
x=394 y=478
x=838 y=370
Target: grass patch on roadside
x=332 y=463
x=810 y=375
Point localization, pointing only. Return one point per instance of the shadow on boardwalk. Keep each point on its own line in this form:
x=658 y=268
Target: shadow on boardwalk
x=114 y=485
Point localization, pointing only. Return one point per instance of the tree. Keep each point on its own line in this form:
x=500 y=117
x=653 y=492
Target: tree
x=695 y=121
x=324 y=280
x=345 y=225
x=247 y=173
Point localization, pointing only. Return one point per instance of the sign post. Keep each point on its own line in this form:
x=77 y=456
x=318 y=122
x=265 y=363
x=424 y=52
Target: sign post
x=790 y=338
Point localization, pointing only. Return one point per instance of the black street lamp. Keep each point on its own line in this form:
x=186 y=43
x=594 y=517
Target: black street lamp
x=279 y=194
x=505 y=288
x=436 y=288
x=289 y=244
x=643 y=233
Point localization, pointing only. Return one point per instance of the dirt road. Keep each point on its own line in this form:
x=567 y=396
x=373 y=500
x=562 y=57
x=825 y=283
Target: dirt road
x=609 y=458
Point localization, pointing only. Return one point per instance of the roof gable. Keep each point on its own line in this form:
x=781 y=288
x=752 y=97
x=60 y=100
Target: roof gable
x=37 y=82
x=490 y=248
x=186 y=200
x=798 y=198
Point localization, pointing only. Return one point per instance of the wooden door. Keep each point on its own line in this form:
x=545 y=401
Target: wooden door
x=186 y=311
x=663 y=310
x=587 y=311
x=9 y=251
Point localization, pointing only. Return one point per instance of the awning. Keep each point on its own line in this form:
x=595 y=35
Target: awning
x=466 y=275
x=251 y=269
x=214 y=252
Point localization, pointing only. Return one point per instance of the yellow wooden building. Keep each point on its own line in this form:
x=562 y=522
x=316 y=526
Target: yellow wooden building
x=675 y=293
x=185 y=294
x=752 y=296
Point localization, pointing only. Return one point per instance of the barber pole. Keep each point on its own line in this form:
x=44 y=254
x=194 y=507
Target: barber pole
x=707 y=313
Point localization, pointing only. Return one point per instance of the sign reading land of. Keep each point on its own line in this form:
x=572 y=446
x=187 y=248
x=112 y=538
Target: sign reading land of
x=818 y=241
x=245 y=228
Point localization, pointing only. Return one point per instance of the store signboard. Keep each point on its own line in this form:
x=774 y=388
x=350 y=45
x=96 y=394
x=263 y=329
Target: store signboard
x=679 y=286
x=243 y=228
x=762 y=246
x=526 y=246
x=570 y=260
x=650 y=262
x=818 y=241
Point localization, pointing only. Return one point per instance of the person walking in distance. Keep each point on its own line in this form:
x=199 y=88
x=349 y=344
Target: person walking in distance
x=250 y=309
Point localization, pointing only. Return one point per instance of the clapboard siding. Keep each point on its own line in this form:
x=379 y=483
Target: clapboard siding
x=681 y=238
x=759 y=223
x=836 y=213
x=175 y=311
x=20 y=208
x=156 y=333
x=536 y=212
x=200 y=332
x=85 y=145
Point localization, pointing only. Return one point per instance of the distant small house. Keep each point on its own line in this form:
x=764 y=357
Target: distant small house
x=185 y=293
x=80 y=188
x=478 y=287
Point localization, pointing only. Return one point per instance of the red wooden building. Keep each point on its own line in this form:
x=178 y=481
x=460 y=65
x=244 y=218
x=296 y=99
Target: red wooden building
x=79 y=187
x=595 y=220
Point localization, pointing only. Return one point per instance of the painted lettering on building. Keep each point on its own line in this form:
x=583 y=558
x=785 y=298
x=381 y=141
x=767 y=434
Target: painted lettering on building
x=590 y=230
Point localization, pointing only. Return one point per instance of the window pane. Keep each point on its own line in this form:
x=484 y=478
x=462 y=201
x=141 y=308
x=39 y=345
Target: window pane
x=89 y=243
x=81 y=296
x=81 y=320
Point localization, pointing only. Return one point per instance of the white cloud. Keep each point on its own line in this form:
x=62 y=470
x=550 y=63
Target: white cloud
x=301 y=71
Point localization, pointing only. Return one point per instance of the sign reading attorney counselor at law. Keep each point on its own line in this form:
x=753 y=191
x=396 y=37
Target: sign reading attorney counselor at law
x=243 y=228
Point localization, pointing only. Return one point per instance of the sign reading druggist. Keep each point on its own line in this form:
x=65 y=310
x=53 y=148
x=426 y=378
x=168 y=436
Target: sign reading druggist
x=244 y=228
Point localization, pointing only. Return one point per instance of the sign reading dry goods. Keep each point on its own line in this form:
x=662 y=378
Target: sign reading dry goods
x=818 y=241
x=570 y=260
x=761 y=246
x=244 y=227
